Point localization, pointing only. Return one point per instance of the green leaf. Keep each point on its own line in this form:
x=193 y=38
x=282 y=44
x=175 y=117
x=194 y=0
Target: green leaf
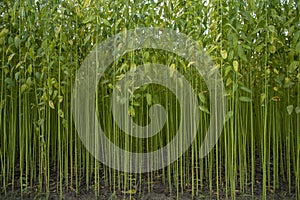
x=87 y=38
x=29 y=69
x=245 y=99
x=259 y=48
x=86 y=2
x=290 y=109
x=17 y=74
x=230 y=54
x=297 y=49
x=297 y=109
x=227 y=70
x=287 y=82
x=202 y=97
x=136 y=103
x=3 y=32
x=51 y=104
x=211 y=49
x=296 y=36
x=131 y=111
x=235 y=87
x=293 y=66
x=272 y=28
x=60 y=113
x=262 y=98
x=28 y=81
x=204 y=109
x=9 y=82
x=54 y=94
x=11 y=57
x=106 y=22
x=149 y=98
x=60 y=98
x=57 y=31
x=89 y=19
x=236 y=66
x=228 y=115
x=256 y=31
x=155 y=99
x=241 y=53
x=229 y=81
x=235 y=41
x=38 y=75
x=272 y=49
x=17 y=41
x=23 y=88
x=232 y=28
x=224 y=54
x=246 y=89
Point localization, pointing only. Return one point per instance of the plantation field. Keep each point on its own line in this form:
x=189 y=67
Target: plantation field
x=148 y=99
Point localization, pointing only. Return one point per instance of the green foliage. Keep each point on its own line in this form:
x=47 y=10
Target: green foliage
x=255 y=45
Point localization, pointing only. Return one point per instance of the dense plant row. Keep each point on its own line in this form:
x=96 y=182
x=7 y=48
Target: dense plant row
x=255 y=45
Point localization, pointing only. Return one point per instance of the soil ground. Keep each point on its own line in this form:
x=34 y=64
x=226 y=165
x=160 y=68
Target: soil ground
x=159 y=191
